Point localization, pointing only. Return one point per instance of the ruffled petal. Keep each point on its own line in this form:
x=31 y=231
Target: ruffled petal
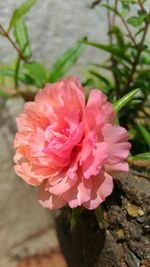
x=49 y=200
x=78 y=194
x=102 y=186
x=63 y=185
x=95 y=161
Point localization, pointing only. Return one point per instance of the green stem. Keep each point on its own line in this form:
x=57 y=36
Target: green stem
x=75 y=216
x=99 y=216
x=17 y=72
x=140 y=49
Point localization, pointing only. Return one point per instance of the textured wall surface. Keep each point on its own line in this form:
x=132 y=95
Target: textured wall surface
x=54 y=26
x=25 y=227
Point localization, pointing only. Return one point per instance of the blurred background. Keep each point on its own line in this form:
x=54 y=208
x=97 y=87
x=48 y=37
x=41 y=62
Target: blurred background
x=27 y=231
x=54 y=26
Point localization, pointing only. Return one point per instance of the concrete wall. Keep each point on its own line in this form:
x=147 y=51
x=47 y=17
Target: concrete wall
x=54 y=26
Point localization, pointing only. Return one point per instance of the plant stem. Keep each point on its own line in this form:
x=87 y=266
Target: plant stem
x=141 y=5
x=128 y=30
x=6 y=34
x=16 y=73
x=139 y=50
x=115 y=8
x=113 y=60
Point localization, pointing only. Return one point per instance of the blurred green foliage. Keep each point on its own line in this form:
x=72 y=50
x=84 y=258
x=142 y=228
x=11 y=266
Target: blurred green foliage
x=126 y=68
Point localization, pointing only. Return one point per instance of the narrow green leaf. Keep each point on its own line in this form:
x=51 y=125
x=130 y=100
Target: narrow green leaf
x=125 y=100
x=21 y=11
x=119 y=37
x=65 y=62
x=99 y=217
x=145 y=134
x=136 y=101
x=125 y=9
x=137 y=21
x=100 y=77
x=129 y=1
x=114 y=50
x=141 y=156
x=37 y=72
x=16 y=76
x=3 y=93
x=75 y=216
x=10 y=73
x=110 y=8
x=21 y=35
x=21 y=77
x=110 y=68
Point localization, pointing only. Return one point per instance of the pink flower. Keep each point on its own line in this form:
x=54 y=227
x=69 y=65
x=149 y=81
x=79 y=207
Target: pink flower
x=69 y=148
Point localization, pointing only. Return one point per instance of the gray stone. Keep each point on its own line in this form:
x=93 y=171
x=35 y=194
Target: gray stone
x=54 y=26
x=22 y=218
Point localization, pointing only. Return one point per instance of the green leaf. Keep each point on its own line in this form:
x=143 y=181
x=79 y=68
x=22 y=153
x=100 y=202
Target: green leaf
x=20 y=12
x=129 y=1
x=21 y=77
x=99 y=217
x=109 y=68
x=100 y=77
x=65 y=62
x=114 y=50
x=136 y=101
x=75 y=216
x=125 y=9
x=137 y=21
x=10 y=73
x=37 y=72
x=119 y=36
x=110 y=8
x=141 y=156
x=125 y=100
x=3 y=93
x=145 y=134
x=21 y=35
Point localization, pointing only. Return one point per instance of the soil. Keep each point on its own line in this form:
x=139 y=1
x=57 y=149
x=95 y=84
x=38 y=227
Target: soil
x=125 y=241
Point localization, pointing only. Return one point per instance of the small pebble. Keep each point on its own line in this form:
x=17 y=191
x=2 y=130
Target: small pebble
x=134 y=210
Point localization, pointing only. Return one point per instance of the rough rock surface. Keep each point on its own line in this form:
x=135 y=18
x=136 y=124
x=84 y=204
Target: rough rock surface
x=126 y=241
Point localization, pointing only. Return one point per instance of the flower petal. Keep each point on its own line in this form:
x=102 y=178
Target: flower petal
x=78 y=194
x=95 y=160
x=102 y=186
x=49 y=200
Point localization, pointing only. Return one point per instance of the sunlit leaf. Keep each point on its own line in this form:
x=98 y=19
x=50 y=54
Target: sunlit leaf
x=141 y=156
x=3 y=93
x=100 y=77
x=65 y=62
x=112 y=49
x=21 y=35
x=119 y=36
x=21 y=77
x=37 y=72
x=129 y=1
x=145 y=134
x=137 y=21
x=21 y=11
x=125 y=100
x=10 y=73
